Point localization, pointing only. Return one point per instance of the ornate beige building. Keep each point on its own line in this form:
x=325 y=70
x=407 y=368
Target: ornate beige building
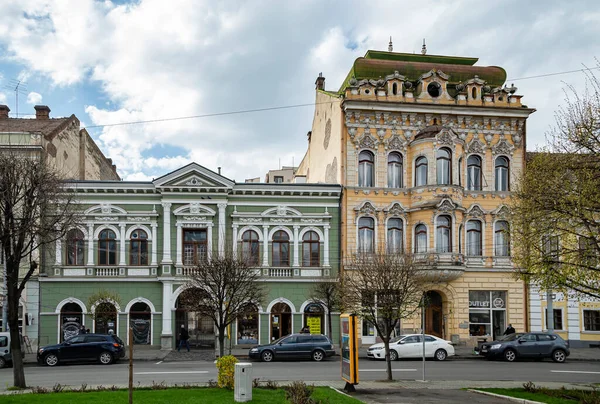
x=427 y=148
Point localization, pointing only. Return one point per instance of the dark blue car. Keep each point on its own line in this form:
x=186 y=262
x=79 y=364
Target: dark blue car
x=536 y=345
x=295 y=346
x=103 y=348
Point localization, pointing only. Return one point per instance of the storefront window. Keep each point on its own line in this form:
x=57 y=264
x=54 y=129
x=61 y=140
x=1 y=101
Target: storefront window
x=487 y=313
x=247 y=325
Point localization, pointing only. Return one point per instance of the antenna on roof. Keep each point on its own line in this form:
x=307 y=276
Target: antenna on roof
x=424 y=48
x=390 y=46
x=19 y=87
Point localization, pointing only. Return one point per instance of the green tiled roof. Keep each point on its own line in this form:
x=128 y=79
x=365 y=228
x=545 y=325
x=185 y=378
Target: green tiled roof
x=377 y=64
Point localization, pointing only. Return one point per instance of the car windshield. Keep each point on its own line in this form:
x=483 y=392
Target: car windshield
x=277 y=341
x=510 y=337
x=396 y=339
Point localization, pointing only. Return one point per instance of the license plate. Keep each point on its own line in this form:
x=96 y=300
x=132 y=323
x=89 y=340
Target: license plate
x=484 y=350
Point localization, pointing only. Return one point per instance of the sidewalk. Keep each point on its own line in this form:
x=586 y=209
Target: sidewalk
x=155 y=354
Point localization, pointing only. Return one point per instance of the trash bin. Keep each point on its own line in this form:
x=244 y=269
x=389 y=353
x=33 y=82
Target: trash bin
x=242 y=390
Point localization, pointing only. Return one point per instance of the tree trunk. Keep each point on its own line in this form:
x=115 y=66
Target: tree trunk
x=329 y=325
x=15 y=338
x=388 y=362
x=221 y=340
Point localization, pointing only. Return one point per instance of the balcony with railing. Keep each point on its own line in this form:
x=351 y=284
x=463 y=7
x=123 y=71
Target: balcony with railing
x=271 y=272
x=109 y=271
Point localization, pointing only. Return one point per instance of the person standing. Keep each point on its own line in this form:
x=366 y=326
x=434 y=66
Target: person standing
x=509 y=330
x=184 y=336
x=82 y=329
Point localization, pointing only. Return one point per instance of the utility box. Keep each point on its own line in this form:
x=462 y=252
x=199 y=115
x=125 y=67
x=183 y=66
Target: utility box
x=242 y=389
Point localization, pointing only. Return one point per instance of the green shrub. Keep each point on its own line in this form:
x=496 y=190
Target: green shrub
x=226 y=368
x=299 y=393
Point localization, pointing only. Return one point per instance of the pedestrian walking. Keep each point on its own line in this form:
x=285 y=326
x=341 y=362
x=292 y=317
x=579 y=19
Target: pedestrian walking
x=184 y=336
x=509 y=330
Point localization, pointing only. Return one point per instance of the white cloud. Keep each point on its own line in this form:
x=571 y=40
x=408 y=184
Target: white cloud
x=2 y=98
x=34 y=98
x=199 y=57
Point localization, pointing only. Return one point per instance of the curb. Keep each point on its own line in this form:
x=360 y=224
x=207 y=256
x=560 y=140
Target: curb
x=509 y=398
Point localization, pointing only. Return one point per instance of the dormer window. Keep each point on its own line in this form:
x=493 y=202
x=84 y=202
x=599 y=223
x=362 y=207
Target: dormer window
x=434 y=89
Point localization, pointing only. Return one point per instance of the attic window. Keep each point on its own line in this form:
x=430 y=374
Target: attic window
x=367 y=92
x=434 y=89
x=474 y=92
x=395 y=89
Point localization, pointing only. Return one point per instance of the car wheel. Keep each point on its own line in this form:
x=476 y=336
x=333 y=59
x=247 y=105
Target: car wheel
x=440 y=355
x=267 y=356
x=510 y=355
x=318 y=355
x=2 y=363
x=393 y=355
x=51 y=360
x=559 y=356
x=105 y=358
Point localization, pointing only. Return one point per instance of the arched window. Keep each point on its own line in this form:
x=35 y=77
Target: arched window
x=71 y=320
x=250 y=247
x=394 y=170
x=502 y=239
x=107 y=247
x=75 y=247
x=421 y=171
x=420 y=238
x=366 y=235
x=444 y=234
x=281 y=249
x=444 y=166
x=502 y=165
x=395 y=88
x=310 y=250
x=394 y=235
x=474 y=92
x=138 y=248
x=366 y=175
x=474 y=173
x=474 y=247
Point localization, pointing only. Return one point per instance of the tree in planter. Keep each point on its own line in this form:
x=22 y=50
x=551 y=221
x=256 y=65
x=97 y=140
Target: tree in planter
x=104 y=303
x=35 y=212
x=555 y=226
x=384 y=289
x=220 y=288
x=328 y=294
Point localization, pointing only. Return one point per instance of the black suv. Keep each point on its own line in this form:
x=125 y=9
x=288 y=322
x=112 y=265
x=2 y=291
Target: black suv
x=295 y=346
x=528 y=345
x=103 y=348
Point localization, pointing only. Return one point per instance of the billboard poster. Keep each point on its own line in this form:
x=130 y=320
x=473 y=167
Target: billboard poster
x=349 y=349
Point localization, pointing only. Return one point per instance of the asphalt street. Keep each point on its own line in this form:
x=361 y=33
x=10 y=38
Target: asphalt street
x=201 y=371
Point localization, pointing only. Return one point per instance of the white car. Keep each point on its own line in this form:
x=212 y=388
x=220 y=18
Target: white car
x=411 y=346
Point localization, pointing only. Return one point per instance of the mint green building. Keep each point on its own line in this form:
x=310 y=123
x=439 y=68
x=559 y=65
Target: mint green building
x=139 y=240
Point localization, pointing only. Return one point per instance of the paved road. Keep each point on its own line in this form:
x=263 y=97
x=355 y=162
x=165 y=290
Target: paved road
x=202 y=371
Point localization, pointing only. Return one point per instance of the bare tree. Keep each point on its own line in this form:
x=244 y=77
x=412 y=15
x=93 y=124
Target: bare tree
x=34 y=212
x=328 y=294
x=384 y=289
x=220 y=288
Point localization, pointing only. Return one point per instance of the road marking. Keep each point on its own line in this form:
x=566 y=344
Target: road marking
x=384 y=370
x=158 y=363
x=172 y=373
x=575 y=371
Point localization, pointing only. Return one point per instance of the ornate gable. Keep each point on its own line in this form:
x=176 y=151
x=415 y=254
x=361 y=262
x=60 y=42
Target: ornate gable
x=105 y=209
x=193 y=176
x=503 y=147
x=476 y=146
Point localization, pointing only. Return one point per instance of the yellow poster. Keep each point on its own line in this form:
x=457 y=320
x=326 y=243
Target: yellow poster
x=314 y=323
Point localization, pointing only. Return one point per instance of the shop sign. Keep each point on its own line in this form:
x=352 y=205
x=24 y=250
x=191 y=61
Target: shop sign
x=479 y=303
x=314 y=324
x=498 y=303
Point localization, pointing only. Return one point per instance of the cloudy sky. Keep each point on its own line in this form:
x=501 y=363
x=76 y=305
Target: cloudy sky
x=112 y=62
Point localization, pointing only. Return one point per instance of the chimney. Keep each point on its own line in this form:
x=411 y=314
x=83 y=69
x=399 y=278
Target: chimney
x=219 y=168
x=4 y=110
x=42 y=112
x=320 y=82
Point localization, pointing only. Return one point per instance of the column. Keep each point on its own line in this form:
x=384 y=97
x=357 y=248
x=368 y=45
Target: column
x=296 y=246
x=58 y=260
x=209 y=241
x=122 y=260
x=167 y=332
x=221 y=242
x=178 y=248
x=154 y=244
x=166 y=233
x=326 y=246
x=235 y=236
x=265 y=246
x=90 y=260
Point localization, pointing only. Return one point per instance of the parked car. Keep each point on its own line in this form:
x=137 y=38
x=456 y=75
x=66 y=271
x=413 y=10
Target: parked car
x=411 y=346
x=527 y=345
x=103 y=348
x=5 y=351
x=295 y=346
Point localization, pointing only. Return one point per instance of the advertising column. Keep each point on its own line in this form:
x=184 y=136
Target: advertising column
x=349 y=350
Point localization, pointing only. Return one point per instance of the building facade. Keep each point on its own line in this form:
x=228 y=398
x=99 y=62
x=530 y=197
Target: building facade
x=427 y=149
x=73 y=153
x=139 y=240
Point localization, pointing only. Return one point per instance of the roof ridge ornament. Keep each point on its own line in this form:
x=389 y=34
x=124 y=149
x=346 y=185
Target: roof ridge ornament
x=424 y=48
x=390 y=46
